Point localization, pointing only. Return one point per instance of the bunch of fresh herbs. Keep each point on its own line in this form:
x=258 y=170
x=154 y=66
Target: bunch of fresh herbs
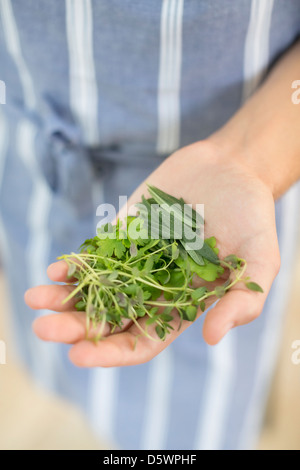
x=150 y=268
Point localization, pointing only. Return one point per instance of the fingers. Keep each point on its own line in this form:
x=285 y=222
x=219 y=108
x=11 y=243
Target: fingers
x=236 y=308
x=70 y=327
x=127 y=348
x=239 y=306
x=114 y=351
x=50 y=297
x=58 y=272
x=67 y=327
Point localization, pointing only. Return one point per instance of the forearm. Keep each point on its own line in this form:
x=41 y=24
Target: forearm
x=265 y=133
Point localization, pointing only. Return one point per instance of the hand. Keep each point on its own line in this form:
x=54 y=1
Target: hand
x=239 y=212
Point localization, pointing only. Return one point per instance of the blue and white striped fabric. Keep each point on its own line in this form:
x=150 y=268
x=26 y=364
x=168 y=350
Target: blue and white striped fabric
x=99 y=92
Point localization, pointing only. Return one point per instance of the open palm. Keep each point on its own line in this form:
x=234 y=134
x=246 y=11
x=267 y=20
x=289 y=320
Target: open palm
x=239 y=212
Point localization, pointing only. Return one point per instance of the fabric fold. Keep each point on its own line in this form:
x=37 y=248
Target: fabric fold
x=64 y=160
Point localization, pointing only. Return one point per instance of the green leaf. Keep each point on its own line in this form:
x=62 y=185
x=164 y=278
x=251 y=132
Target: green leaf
x=254 y=286
x=166 y=317
x=140 y=311
x=135 y=271
x=80 y=305
x=107 y=247
x=146 y=294
x=105 y=281
x=106 y=231
x=191 y=216
x=112 y=276
x=152 y=311
x=198 y=259
x=176 y=208
x=177 y=279
x=148 y=265
x=208 y=272
x=126 y=242
x=167 y=310
x=155 y=293
x=175 y=251
x=197 y=255
x=199 y=292
x=163 y=276
x=137 y=231
x=139 y=295
x=191 y=312
x=131 y=289
x=168 y=295
x=212 y=242
x=119 y=249
x=160 y=332
x=202 y=305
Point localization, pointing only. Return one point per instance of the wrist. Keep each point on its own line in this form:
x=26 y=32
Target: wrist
x=260 y=151
x=264 y=133
x=238 y=151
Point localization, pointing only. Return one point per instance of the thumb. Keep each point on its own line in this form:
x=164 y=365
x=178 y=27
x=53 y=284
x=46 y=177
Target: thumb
x=240 y=305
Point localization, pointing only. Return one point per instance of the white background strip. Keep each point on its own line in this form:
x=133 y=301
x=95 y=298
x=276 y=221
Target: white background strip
x=169 y=76
x=4 y=136
x=221 y=366
x=256 y=55
x=83 y=85
x=157 y=405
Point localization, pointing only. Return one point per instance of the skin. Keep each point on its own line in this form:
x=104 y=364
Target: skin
x=237 y=173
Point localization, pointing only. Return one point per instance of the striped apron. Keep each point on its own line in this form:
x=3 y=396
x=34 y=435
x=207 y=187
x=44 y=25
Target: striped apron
x=98 y=93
